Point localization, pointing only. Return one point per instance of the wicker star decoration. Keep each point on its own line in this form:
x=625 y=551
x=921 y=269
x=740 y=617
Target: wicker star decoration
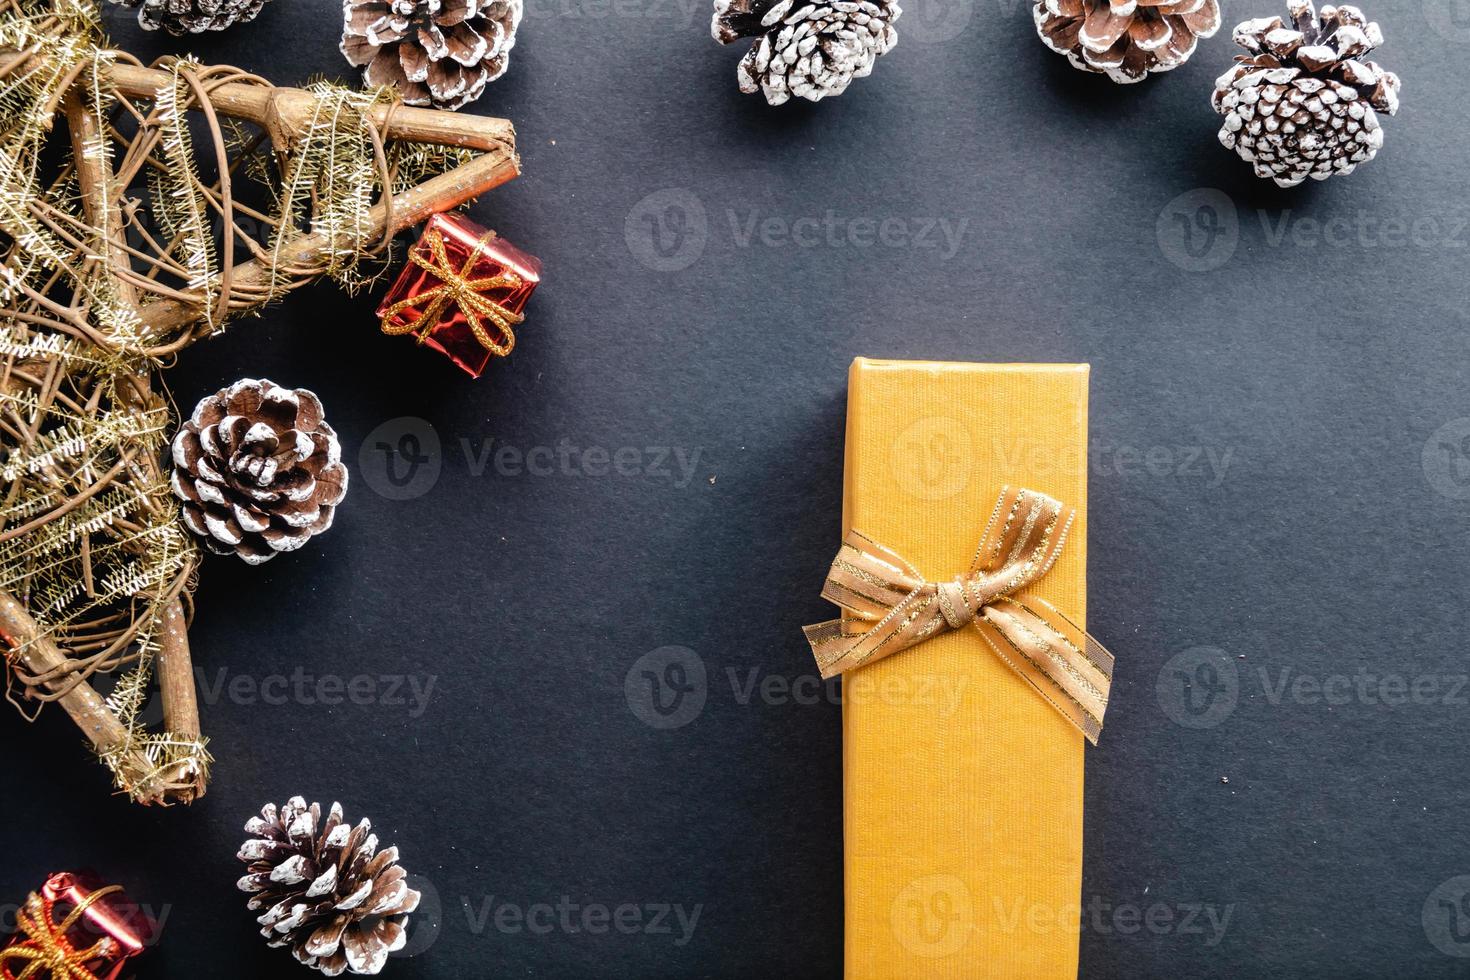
x=188 y=195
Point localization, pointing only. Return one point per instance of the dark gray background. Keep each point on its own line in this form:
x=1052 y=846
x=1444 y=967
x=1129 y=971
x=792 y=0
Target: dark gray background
x=1326 y=379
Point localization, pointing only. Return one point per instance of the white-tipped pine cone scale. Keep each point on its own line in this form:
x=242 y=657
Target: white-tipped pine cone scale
x=1302 y=103
x=258 y=469
x=810 y=50
x=1126 y=40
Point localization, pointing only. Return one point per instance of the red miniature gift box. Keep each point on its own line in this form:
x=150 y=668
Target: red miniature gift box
x=76 y=928
x=462 y=292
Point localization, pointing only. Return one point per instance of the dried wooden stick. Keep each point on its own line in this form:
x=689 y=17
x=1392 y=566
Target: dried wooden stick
x=175 y=670
x=180 y=705
x=289 y=110
x=95 y=178
x=39 y=655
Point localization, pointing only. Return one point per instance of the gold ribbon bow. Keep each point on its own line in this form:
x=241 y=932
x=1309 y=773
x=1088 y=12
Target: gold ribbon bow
x=46 y=947
x=889 y=607
x=455 y=287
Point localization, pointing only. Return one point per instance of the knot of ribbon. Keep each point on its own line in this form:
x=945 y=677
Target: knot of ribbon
x=889 y=606
x=46 y=946
x=456 y=287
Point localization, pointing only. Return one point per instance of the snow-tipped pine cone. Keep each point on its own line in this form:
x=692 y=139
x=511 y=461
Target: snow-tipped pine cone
x=1126 y=39
x=325 y=893
x=1301 y=104
x=435 y=52
x=258 y=469
x=807 y=48
x=193 y=16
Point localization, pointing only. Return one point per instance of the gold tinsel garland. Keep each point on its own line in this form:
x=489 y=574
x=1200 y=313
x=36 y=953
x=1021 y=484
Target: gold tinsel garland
x=185 y=195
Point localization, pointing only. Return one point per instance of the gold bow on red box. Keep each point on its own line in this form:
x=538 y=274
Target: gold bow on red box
x=98 y=933
x=462 y=292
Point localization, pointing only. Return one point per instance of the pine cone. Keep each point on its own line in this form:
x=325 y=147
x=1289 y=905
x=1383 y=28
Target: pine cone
x=1126 y=39
x=436 y=52
x=193 y=16
x=807 y=48
x=258 y=470
x=1301 y=104
x=325 y=894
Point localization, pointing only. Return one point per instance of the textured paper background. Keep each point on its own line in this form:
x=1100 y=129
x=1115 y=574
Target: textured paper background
x=1326 y=376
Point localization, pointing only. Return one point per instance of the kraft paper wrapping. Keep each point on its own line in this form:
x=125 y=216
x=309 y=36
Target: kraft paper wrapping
x=962 y=813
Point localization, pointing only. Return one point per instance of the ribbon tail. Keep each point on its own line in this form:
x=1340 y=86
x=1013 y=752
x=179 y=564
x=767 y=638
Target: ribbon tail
x=1090 y=646
x=841 y=644
x=832 y=642
x=1061 y=662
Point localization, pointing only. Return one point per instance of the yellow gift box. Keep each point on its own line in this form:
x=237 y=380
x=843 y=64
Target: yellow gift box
x=962 y=813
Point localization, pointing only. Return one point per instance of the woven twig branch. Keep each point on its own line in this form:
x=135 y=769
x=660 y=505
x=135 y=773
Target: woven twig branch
x=191 y=195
